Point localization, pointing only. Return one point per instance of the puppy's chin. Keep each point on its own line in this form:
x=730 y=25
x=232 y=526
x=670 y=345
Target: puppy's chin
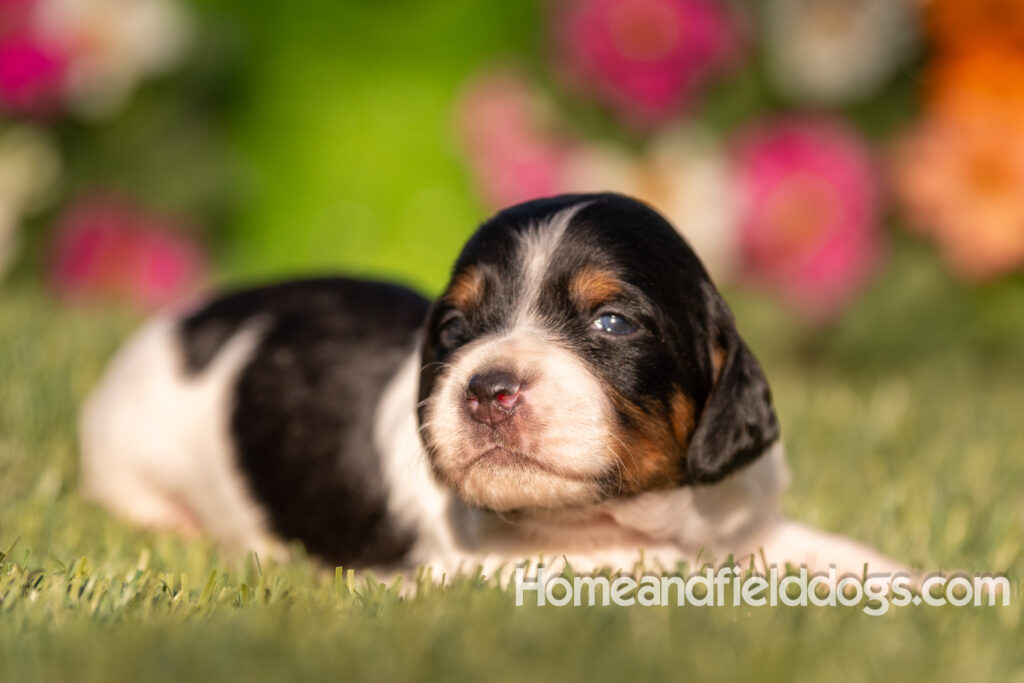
x=500 y=480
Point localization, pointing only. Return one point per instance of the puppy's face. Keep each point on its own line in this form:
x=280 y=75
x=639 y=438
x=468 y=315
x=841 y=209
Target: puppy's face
x=580 y=352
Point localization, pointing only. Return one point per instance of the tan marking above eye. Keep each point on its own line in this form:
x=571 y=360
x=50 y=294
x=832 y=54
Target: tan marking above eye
x=467 y=289
x=593 y=286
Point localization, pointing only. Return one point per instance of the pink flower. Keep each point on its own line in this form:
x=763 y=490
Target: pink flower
x=509 y=136
x=106 y=249
x=15 y=15
x=645 y=58
x=31 y=74
x=810 y=229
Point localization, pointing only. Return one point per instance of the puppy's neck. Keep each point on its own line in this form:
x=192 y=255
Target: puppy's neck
x=694 y=518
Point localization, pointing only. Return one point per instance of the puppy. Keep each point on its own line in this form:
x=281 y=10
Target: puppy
x=579 y=392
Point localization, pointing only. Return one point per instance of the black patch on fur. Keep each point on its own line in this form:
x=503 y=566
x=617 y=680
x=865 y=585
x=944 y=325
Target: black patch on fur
x=304 y=406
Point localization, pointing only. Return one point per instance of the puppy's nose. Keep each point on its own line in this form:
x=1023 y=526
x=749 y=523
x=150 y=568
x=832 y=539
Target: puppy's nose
x=491 y=397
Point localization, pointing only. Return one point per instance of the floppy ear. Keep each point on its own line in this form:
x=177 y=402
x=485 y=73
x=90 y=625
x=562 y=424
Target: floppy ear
x=738 y=422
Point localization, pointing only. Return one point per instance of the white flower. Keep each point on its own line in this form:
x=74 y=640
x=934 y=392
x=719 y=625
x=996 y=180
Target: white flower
x=684 y=174
x=836 y=51
x=113 y=44
x=29 y=170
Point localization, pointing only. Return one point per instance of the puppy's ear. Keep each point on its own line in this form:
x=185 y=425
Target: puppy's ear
x=738 y=422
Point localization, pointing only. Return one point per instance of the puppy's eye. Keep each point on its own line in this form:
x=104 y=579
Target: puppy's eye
x=614 y=323
x=453 y=331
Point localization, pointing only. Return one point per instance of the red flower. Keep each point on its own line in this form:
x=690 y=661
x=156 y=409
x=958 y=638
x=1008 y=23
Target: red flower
x=106 y=249
x=810 y=229
x=645 y=58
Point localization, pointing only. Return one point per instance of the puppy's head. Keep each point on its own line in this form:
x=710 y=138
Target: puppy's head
x=580 y=352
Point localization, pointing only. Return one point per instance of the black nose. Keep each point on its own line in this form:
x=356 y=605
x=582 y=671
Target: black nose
x=492 y=397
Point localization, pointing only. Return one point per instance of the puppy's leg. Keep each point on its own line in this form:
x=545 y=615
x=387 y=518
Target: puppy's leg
x=131 y=497
x=790 y=542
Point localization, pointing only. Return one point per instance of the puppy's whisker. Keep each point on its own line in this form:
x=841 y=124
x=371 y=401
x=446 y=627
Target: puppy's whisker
x=636 y=467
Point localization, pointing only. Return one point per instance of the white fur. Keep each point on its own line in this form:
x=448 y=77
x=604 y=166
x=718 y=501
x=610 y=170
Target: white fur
x=415 y=499
x=537 y=246
x=155 y=442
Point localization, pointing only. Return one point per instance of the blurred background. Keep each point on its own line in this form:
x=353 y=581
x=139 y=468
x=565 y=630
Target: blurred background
x=844 y=167
x=851 y=172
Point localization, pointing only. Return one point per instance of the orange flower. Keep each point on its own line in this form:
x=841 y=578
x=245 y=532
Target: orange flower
x=961 y=182
x=985 y=83
x=959 y=24
x=960 y=173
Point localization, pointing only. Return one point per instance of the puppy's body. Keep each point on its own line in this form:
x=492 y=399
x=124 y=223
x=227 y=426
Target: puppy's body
x=578 y=392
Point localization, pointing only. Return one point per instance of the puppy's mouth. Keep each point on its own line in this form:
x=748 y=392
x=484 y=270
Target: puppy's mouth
x=507 y=457
x=503 y=456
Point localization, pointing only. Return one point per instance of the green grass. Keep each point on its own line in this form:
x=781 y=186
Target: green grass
x=906 y=443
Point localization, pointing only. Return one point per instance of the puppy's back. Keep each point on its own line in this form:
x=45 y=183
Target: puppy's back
x=252 y=418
